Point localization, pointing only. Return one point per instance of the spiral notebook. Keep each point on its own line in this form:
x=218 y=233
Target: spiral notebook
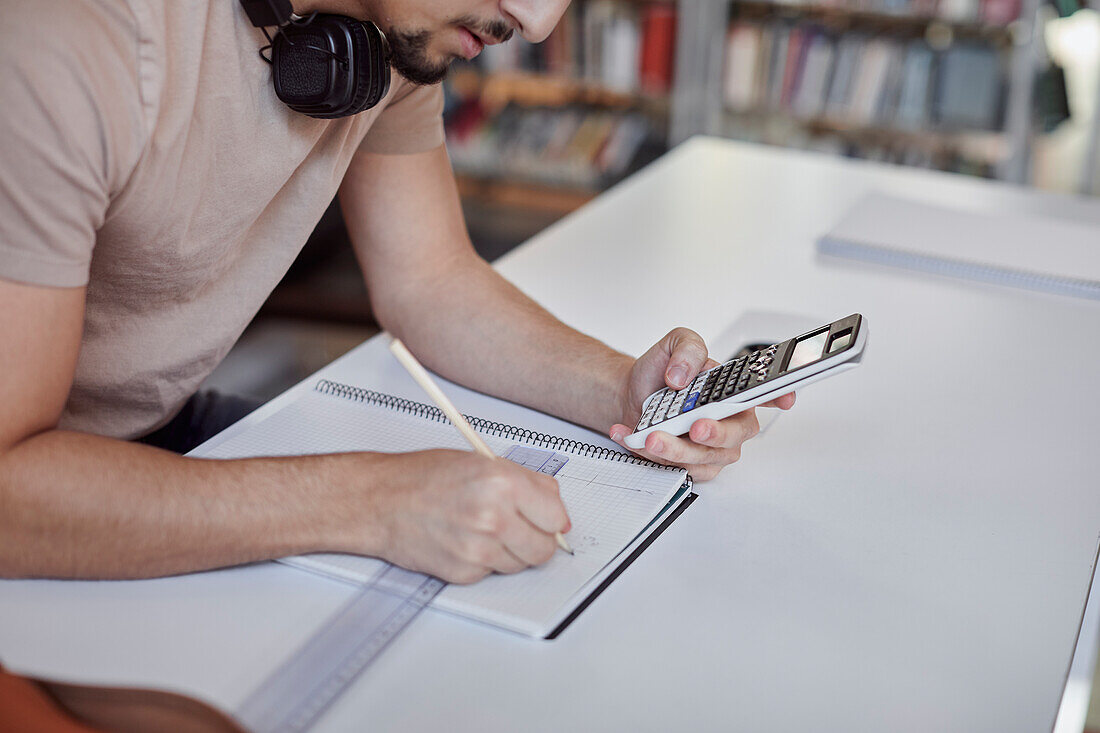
x=1051 y=255
x=617 y=502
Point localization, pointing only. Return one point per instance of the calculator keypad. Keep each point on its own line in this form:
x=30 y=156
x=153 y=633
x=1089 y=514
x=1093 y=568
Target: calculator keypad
x=717 y=383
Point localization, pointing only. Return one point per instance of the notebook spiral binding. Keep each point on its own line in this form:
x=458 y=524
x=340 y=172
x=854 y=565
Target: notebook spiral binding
x=500 y=430
x=993 y=274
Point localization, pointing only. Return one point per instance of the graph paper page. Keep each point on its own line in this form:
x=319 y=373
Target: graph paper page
x=609 y=502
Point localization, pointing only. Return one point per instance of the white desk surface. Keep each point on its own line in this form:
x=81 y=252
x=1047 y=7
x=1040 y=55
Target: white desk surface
x=909 y=550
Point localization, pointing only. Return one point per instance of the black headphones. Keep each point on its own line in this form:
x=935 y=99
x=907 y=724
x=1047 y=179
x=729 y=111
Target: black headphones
x=323 y=66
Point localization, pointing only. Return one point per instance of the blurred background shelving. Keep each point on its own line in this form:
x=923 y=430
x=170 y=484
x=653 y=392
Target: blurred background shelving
x=571 y=115
x=996 y=88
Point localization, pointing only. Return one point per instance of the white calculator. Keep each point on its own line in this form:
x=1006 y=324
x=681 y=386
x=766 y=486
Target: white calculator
x=746 y=381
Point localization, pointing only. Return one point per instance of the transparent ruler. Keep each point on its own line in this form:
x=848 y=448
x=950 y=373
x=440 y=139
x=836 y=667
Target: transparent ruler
x=296 y=693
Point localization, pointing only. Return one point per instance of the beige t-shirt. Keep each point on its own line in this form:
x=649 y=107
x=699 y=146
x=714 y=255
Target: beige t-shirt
x=143 y=152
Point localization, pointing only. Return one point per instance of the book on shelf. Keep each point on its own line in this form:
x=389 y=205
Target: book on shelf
x=999 y=12
x=913 y=95
x=742 y=49
x=809 y=95
x=574 y=147
x=968 y=91
x=624 y=47
x=859 y=79
x=658 y=48
x=958 y=11
x=963 y=12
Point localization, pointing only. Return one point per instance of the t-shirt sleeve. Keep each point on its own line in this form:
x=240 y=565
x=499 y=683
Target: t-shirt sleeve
x=67 y=134
x=412 y=121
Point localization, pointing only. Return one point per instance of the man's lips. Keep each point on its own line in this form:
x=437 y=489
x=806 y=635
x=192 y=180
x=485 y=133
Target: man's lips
x=471 y=44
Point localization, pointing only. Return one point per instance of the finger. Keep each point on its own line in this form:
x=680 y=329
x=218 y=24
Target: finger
x=506 y=562
x=710 y=364
x=528 y=543
x=785 y=402
x=665 y=448
x=717 y=459
x=619 y=433
x=704 y=473
x=708 y=442
x=486 y=551
x=727 y=433
x=538 y=500
x=687 y=355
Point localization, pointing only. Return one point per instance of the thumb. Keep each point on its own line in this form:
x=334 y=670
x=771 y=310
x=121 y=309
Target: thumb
x=687 y=354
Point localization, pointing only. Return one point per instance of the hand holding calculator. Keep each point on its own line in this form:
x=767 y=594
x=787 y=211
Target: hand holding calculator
x=747 y=381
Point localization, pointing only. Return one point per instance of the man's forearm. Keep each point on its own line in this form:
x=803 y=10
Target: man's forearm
x=78 y=505
x=474 y=327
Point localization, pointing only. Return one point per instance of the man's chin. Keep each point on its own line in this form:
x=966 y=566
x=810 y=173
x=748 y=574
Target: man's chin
x=419 y=70
x=422 y=78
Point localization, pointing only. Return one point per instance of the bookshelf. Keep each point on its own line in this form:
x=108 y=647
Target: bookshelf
x=944 y=84
x=549 y=126
x=619 y=81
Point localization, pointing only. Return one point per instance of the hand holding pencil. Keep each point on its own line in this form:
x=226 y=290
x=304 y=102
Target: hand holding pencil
x=421 y=376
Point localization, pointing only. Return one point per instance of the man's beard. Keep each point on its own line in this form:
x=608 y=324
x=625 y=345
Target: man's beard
x=409 y=49
x=410 y=57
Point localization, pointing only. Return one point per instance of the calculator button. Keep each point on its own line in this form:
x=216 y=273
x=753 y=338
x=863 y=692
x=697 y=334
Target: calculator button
x=689 y=403
x=662 y=410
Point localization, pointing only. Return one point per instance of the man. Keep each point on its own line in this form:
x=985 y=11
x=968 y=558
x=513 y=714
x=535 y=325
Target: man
x=153 y=190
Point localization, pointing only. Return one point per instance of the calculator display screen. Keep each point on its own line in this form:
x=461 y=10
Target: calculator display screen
x=808 y=349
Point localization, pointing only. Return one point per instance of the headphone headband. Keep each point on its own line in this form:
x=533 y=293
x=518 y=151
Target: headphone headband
x=264 y=13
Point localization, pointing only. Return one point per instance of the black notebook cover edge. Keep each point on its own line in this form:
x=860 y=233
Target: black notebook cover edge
x=691 y=497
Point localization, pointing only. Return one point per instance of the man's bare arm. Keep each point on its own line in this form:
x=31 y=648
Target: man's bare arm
x=79 y=505
x=463 y=320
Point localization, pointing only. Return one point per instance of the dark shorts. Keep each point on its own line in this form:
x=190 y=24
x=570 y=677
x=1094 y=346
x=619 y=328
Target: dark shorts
x=203 y=416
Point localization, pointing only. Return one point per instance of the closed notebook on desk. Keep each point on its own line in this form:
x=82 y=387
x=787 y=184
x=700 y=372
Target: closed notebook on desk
x=1052 y=255
x=617 y=502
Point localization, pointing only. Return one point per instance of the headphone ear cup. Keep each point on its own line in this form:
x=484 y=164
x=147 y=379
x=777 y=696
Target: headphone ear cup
x=372 y=68
x=334 y=66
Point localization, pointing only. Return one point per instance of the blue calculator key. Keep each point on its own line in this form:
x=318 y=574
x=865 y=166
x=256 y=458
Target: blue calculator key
x=689 y=403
